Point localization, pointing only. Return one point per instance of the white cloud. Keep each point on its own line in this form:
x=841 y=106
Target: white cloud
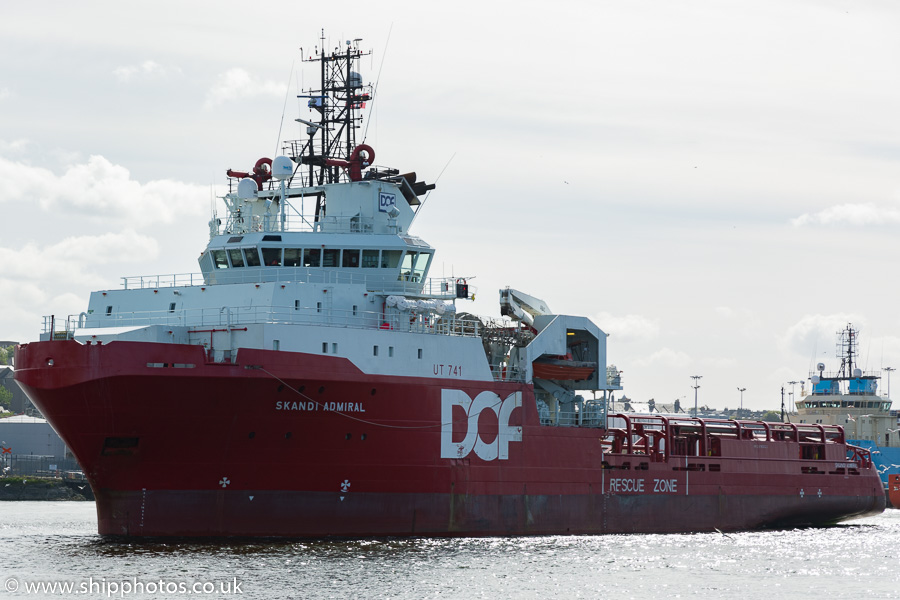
x=101 y=190
x=14 y=147
x=238 y=83
x=665 y=357
x=866 y=213
x=37 y=280
x=719 y=363
x=5 y=93
x=71 y=258
x=627 y=327
x=815 y=335
x=145 y=70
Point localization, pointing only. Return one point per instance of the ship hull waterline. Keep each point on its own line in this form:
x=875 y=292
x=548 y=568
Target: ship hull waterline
x=288 y=445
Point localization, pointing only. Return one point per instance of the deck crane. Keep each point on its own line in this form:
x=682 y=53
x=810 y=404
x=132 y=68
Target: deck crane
x=519 y=306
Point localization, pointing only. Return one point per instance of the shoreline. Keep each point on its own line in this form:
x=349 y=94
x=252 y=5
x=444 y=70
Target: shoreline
x=41 y=488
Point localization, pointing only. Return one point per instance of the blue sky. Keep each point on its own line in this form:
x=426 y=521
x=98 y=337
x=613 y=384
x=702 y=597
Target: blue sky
x=716 y=184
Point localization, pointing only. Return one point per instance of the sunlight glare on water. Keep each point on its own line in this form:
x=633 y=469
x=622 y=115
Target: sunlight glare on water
x=56 y=541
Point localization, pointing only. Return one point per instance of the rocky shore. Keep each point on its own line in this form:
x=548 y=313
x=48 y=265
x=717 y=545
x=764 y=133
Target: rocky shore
x=37 y=488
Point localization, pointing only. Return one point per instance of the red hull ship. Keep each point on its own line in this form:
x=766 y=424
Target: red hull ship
x=316 y=383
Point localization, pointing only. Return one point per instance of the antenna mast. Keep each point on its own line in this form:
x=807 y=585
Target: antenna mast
x=847 y=350
x=335 y=107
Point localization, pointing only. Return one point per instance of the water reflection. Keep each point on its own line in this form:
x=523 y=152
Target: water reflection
x=853 y=560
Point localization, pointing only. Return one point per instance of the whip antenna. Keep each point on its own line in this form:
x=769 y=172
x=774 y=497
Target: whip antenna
x=284 y=108
x=377 y=79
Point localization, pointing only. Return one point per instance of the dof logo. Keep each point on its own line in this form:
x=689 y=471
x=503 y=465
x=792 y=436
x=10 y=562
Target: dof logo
x=502 y=409
x=386 y=201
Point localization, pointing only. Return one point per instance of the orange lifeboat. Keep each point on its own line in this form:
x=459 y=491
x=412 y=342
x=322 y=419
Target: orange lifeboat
x=563 y=368
x=894 y=490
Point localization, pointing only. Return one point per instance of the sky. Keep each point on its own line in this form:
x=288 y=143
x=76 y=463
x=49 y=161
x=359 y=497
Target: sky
x=716 y=184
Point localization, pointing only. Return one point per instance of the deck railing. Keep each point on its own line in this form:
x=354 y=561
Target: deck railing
x=240 y=316
x=433 y=287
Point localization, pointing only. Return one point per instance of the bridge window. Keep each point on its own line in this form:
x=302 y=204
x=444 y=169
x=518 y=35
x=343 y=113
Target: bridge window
x=351 y=258
x=312 y=257
x=237 y=259
x=293 y=257
x=414 y=264
x=369 y=259
x=390 y=259
x=272 y=257
x=252 y=255
x=422 y=264
x=406 y=271
x=220 y=259
x=331 y=258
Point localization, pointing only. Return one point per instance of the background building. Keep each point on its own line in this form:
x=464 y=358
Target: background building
x=28 y=445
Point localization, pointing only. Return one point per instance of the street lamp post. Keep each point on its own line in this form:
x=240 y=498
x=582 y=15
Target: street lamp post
x=696 y=387
x=791 y=406
x=889 y=369
x=742 y=390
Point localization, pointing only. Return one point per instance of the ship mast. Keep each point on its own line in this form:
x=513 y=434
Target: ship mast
x=335 y=107
x=847 y=350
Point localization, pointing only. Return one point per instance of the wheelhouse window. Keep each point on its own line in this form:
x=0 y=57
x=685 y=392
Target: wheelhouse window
x=293 y=257
x=252 y=255
x=331 y=258
x=369 y=259
x=272 y=257
x=351 y=258
x=220 y=259
x=414 y=266
x=237 y=259
x=312 y=257
x=421 y=264
x=390 y=259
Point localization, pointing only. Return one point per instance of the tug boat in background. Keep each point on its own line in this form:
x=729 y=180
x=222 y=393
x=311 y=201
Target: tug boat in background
x=313 y=382
x=849 y=398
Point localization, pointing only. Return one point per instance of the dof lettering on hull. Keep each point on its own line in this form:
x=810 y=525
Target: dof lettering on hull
x=503 y=409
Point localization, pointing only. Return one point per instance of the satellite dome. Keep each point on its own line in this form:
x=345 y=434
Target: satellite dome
x=355 y=80
x=814 y=379
x=282 y=167
x=857 y=373
x=247 y=189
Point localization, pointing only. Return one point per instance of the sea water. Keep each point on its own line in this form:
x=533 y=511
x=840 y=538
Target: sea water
x=52 y=550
